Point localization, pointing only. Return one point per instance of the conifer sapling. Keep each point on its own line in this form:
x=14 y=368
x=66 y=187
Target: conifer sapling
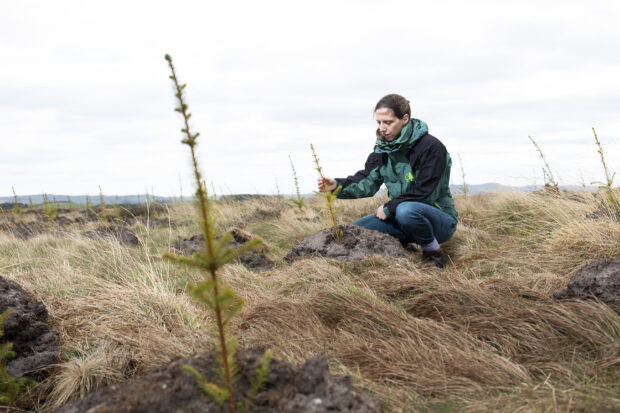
x=299 y=201
x=612 y=198
x=330 y=199
x=219 y=298
x=550 y=181
x=17 y=208
x=103 y=215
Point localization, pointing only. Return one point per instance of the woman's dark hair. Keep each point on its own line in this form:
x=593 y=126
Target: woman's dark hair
x=397 y=103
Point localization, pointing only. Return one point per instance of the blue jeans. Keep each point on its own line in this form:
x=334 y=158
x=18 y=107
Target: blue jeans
x=414 y=222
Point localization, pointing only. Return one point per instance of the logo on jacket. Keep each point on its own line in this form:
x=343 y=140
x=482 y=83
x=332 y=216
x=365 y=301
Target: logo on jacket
x=409 y=177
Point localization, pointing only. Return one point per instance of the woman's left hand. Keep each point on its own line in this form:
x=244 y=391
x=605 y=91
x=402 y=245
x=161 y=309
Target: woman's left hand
x=380 y=214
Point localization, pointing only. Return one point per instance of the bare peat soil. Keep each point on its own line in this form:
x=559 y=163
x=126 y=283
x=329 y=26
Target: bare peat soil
x=288 y=389
x=356 y=243
x=599 y=280
x=35 y=342
x=254 y=260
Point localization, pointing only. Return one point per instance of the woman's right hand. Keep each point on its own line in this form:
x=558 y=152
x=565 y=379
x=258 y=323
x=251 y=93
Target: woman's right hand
x=326 y=184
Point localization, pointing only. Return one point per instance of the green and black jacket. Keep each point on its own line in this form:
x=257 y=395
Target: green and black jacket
x=413 y=167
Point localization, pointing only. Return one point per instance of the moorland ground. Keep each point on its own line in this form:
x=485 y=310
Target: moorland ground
x=482 y=334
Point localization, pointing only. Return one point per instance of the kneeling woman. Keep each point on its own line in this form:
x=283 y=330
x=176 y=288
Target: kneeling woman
x=415 y=168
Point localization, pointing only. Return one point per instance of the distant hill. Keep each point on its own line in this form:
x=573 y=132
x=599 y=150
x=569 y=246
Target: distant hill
x=81 y=199
x=141 y=198
x=482 y=188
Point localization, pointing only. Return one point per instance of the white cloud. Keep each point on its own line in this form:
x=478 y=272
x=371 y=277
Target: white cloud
x=85 y=97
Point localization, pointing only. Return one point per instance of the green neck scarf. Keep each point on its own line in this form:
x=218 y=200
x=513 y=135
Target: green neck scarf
x=410 y=133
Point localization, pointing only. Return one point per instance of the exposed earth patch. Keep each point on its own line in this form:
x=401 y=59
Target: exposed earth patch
x=254 y=260
x=23 y=230
x=35 y=342
x=356 y=244
x=114 y=232
x=288 y=389
x=598 y=280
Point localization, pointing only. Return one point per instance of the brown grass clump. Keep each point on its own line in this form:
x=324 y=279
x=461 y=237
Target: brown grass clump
x=520 y=323
x=584 y=240
x=88 y=371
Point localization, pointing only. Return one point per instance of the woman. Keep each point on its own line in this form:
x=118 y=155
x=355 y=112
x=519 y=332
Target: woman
x=415 y=168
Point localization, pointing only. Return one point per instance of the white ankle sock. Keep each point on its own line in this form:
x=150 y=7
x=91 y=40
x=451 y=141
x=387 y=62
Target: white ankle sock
x=431 y=246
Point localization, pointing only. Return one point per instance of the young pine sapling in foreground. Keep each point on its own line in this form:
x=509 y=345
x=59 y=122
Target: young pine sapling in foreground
x=219 y=298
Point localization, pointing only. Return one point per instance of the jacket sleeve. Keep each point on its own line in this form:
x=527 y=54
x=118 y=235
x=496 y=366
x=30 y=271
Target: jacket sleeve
x=431 y=166
x=364 y=183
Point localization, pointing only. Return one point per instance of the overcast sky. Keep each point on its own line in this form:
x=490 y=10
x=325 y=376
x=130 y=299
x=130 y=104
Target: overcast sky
x=85 y=98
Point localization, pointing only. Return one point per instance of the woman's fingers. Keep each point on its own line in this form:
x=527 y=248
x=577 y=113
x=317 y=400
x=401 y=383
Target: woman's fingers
x=326 y=184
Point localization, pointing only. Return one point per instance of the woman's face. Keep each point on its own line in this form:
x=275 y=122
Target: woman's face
x=388 y=124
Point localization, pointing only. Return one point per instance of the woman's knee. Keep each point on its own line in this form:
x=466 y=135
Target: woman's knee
x=409 y=212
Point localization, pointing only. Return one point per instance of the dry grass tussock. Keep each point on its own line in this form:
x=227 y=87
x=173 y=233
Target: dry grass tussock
x=480 y=335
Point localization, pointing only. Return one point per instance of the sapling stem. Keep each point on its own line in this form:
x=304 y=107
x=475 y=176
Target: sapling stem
x=190 y=140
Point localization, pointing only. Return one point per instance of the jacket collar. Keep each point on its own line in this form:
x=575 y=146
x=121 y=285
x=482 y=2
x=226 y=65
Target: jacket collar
x=410 y=133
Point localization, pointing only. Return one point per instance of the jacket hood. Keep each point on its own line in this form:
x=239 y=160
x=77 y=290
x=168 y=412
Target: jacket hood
x=410 y=133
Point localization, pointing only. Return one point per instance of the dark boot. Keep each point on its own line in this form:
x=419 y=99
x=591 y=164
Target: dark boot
x=432 y=257
x=409 y=246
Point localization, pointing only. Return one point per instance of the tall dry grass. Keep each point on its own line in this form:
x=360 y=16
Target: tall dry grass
x=483 y=334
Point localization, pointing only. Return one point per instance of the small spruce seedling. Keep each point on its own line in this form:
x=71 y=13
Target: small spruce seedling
x=51 y=212
x=612 y=198
x=299 y=201
x=180 y=188
x=17 y=207
x=117 y=209
x=219 y=298
x=103 y=217
x=550 y=181
x=465 y=188
x=11 y=389
x=330 y=198
x=214 y=196
x=89 y=206
x=55 y=204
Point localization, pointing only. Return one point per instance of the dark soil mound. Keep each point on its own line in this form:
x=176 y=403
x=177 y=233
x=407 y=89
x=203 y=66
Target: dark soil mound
x=356 y=243
x=152 y=210
x=23 y=231
x=63 y=220
x=604 y=213
x=254 y=260
x=190 y=245
x=309 y=388
x=599 y=280
x=35 y=343
x=262 y=213
x=114 y=232
x=87 y=216
x=151 y=222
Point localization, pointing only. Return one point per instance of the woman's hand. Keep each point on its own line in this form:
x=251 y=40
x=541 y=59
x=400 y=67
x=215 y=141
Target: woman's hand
x=326 y=184
x=381 y=214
